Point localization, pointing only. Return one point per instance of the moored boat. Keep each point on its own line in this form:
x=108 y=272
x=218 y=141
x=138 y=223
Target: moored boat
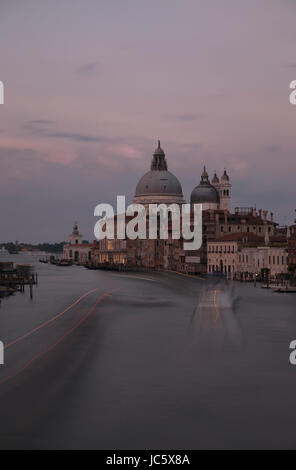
x=64 y=262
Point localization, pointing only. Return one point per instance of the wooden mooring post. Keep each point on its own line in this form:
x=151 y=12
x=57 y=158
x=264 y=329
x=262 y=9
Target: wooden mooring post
x=31 y=289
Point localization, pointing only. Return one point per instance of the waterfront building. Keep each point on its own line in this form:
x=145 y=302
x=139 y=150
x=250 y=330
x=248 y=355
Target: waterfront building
x=215 y=198
x=160 y=186
x=218 y=223
x=292 y=251
x=77 y=250
x=243 y=255
x=157 y=186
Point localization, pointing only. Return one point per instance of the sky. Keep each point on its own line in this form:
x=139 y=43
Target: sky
x=91 y=85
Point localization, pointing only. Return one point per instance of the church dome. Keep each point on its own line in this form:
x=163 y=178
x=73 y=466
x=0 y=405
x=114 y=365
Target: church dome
x=215 y=179
x=205 y=193
x=159 y=183
x=225 y=177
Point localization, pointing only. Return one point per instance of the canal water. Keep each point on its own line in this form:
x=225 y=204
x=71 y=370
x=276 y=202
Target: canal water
x=111 y=360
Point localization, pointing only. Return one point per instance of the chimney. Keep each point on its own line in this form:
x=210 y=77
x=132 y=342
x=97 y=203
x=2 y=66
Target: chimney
x=265 y=216
x=266 y=237
x=260 y=213
x=271 y=216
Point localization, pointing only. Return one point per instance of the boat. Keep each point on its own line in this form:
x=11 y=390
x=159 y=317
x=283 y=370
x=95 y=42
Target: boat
x=290 y=290
x=64 y=262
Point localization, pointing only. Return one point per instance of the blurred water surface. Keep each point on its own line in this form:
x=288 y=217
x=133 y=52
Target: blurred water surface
x=145 y=360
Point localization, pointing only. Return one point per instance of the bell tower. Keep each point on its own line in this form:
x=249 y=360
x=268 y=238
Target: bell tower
x=75 y=238
x=225 y=192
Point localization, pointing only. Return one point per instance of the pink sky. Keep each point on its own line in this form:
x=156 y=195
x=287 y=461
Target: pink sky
x=91 y=85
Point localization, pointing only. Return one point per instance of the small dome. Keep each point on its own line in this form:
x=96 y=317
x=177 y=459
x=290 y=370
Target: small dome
x=204 y=192
x=225 y=177
x=215 y=179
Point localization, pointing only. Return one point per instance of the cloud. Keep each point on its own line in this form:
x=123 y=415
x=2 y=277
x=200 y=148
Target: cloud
x=219 y=96
x=272 y=148
x=39 y=199
x=75 y=137
x=39 y=126
x=89 y=69
x=41 y=122
x=125 y=151
x=189 y=117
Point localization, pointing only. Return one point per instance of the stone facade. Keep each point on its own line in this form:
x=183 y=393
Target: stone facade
x=159 y=186
x=76 y=250
x=243 y=255
x=253 y=260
